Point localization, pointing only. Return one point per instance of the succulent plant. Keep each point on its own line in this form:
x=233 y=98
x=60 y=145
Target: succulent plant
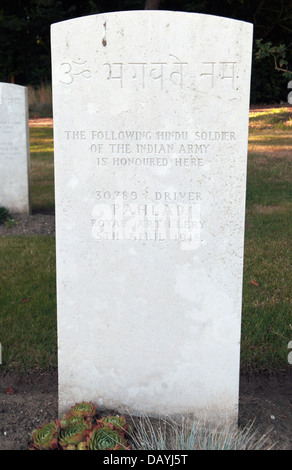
x=85 y=409
x=82 y=446
x=69 y=447
x=46 y=437
x=106 y=438
x=117 y=422
x=68 y=420
x=82 y=429
x=74 y=433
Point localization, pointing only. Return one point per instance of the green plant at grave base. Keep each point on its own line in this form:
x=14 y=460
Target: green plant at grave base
x=84 y=409
x=166 y=434
x=117 y=422
x=106 y=438
x=4 y=214
x=45 y=438
x=74 y=434
x=95 y=431
x=82 y=428
x=6 y=218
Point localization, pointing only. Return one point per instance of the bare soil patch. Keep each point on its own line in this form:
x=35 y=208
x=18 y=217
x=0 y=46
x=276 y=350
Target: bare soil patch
x=29 y=400
x=27 y=225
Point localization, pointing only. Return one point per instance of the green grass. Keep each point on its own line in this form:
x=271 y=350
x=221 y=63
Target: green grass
x=266 y=316
x=267 y=287
x=273 y=118
x=27 y=265
x=28 y=302
x=42 y=169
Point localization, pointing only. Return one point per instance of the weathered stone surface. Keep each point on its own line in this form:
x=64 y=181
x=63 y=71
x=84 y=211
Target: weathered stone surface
x=14 y=149
x=151 y=128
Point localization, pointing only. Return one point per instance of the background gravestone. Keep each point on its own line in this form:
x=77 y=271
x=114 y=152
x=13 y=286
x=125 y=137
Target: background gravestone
x=150 y=132
x=14 y=149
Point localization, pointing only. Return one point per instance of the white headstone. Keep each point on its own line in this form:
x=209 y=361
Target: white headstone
x=150 y=129
x=14 y=149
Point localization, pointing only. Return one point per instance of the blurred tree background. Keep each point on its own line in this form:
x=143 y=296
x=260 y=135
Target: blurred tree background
x=25 y=36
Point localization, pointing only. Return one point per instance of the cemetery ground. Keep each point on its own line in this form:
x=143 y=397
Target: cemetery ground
x=28 y=374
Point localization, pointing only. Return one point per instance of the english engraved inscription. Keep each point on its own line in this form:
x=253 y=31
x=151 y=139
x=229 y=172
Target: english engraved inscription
x=167 y=216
